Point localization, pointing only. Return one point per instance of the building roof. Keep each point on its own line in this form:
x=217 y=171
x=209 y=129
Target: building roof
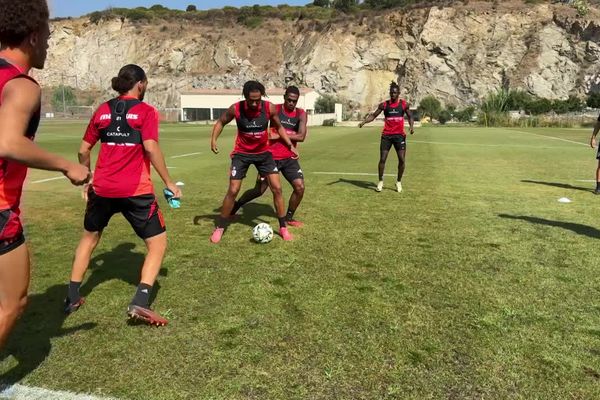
x=215 y=92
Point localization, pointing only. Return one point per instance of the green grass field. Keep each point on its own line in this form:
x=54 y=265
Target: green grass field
x=474 y=283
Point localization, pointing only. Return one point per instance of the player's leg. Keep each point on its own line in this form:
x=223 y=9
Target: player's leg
x=597 y=191
x=275 y=185
x=146 y=219
x=258 y=190
x=98 y=212
x=239 y=167
x=400 y=147
x=384 y=148
x=293 y=174
x=14 y=282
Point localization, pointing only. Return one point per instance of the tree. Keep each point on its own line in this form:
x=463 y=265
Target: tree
x=465 y=115
x=322 y=3
x=593 y=100
x=444 y=116
x=344 y=5
x=63 y=97
x=325 y=104
x=430 y=107
x=190 y=8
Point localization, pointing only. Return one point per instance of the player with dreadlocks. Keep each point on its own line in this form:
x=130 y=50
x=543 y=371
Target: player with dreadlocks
x=252 y=116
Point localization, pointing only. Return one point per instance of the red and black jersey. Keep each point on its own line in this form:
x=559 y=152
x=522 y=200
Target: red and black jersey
x=13 y=173
x=291 y=124
x=123 y=168
x=253 y=128
x=394 y=117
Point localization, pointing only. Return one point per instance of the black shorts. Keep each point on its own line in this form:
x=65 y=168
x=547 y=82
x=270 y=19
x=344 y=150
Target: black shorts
x=241 y=162
x=398 y=141
x=11 y=231
x=290 y=168
x=598 y=154
x=141 y=212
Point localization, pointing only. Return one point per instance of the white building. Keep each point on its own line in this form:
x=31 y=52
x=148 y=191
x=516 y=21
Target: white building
x=209 y=104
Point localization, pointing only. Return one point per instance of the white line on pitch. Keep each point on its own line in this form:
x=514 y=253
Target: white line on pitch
x=186 y=155
x=349 y=173
x=35 y=393
x=50 y=179
x=481 y=144
x=586 y=180
x=551 y=137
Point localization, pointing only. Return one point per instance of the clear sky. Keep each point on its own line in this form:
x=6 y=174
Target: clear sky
x=75 y=8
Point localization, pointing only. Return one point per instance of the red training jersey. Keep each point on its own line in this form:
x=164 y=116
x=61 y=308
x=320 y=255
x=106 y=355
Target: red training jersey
x=394 y=117
x=291 y=124
x=13 y=173
x=123 y=168
x=253 y=128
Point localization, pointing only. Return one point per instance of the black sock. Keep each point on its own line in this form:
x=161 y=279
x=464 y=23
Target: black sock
x=73 y=293
x=380 y=178
x=221 y=222
x=142 y=295
x=282 y=223
x=290 y=214
x=597 y=185
x=236 y=207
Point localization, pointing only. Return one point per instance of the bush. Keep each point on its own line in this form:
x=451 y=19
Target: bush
x=325 y=104
x=465 y=115
x=430 y=107
x=593 y=100
x=444 y=116
x=191 y=8
x=63 y=98
x=329 y=122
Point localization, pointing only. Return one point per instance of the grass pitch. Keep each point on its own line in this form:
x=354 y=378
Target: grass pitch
x=473 y=283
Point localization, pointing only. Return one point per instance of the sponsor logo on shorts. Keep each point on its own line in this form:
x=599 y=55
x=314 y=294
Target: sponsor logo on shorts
x=233 y=172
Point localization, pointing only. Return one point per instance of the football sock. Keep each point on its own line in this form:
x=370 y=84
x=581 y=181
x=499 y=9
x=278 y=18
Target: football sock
x=282 y=223
x=290 y=214
x=142 y=295
x=597 y=185
x=73 y=292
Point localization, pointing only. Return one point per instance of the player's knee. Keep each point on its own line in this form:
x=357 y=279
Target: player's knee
x=276 y=189
x=299 y=189
x=11 y=309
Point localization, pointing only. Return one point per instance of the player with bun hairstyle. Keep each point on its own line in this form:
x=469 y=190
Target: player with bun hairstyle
x=128 y=131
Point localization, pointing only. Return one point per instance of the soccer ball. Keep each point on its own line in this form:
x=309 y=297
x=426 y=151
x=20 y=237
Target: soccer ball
x=262 y=233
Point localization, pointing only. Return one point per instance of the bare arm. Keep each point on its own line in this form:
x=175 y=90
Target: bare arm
x=410 y=119
x=300 y=136
x=20 y=100
x=371 y=116
x=276 y=123
x=594 y=133
x=157 y=160
x=223 y=120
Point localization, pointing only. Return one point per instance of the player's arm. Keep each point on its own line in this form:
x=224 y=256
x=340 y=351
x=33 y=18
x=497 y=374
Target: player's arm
x=302 y=130
x=223 y=120
x=157 y=159
x=594 y=133
x=410 y=118
x=276 y=123
x=371 y=116
x=153 y=151
x=20 y=100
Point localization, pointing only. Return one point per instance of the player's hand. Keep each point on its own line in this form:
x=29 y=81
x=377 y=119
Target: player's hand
x=78 y=174
x=295 y=151
x=175 y=189
x=214 y=148
x=593 y=142
x=85 y=191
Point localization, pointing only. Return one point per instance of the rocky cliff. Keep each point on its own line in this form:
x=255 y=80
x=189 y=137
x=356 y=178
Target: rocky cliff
x=457 y=53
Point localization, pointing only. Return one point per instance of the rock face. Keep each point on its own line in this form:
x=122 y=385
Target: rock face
x=458 y=53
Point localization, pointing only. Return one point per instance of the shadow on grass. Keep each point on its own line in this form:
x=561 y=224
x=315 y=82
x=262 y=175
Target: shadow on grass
x=361 y=184
x=250 y=214
x=121 y=263
x=559 y=185
x=579 y=229
x=30 y=342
